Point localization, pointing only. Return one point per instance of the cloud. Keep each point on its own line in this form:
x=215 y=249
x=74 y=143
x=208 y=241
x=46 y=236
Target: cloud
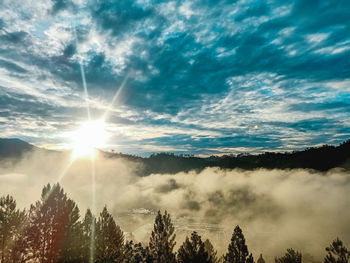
x=276 y=209
x=214 y=68
x=112 y=16
x=59 y=5
x=10 y=66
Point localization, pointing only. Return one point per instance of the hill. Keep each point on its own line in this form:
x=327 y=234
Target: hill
x=318 y=158
x=13 y=148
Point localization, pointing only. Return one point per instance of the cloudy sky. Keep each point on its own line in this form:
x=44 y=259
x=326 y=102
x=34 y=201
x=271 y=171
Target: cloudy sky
x=201 y=77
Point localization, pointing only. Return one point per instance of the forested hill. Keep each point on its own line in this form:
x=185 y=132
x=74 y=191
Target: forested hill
x=318 y=158
x=16 y=148
x=13 y=148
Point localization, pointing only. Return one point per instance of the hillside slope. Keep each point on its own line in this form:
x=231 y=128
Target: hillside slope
x=318 y=158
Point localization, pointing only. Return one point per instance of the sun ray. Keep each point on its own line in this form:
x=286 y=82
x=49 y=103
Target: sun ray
x=82 y=73
x=65 y=170
x=91 y=136
x=88 y=138
x=99 y=132
x=93 y=210
x=115 y=97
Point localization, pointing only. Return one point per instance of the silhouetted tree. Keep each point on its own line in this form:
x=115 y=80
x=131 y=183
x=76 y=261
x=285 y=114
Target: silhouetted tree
x=88 y=240
x=162 y=239
x=71 y=249
x=12 y=223
x=212 y=253
x=50 y=222
x=193 y=251
x=337 y=253
x=291 y=256
x=136 y=253
x=110 y=239
x=260 y=259
x=237 y=249
x=52 y=233
x=250 y=259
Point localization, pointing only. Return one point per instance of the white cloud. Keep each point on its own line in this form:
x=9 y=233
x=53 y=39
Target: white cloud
x=317 y=38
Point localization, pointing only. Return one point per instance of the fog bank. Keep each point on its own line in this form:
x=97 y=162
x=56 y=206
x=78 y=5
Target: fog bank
x=276 y=209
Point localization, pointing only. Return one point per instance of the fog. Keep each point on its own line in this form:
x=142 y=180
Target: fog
x=277 y=209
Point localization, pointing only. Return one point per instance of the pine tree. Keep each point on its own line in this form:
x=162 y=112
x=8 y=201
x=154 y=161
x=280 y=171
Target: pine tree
x=136 y=253
x=250 y=259
x=193 y=251
x=291 y=256
x=261 y=259
x=162 y=239
x=19 y=247
x=88 y=240
x=50 y=222
x=237 y=249
x=209 y=248
x=71 y=248
x=337 y=253
x=110 y=239
x=12 y=223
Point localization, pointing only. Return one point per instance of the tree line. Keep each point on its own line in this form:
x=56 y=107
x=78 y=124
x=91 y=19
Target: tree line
x=52 y=231
x=319 y=158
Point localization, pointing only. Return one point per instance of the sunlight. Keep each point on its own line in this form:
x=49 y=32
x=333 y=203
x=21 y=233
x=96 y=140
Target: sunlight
x=88 y=138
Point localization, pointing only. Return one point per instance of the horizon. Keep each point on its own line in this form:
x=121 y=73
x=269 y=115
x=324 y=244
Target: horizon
x=147 y=155
x=115 y=107
x=186 y=77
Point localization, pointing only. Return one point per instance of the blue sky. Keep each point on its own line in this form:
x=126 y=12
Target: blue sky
x=201 y=77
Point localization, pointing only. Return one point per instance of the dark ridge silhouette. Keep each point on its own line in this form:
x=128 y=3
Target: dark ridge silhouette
x=12 y=148
x=318 y=158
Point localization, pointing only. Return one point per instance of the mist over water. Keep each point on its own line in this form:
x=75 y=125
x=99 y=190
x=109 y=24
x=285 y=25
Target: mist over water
x=277 y=209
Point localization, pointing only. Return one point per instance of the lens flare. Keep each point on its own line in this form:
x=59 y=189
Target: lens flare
x=88 y=138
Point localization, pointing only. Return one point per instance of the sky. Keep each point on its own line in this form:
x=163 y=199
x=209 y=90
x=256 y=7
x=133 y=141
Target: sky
x=200 y=77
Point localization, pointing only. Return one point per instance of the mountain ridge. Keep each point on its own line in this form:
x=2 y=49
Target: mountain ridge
x=321 y=158
x=14 y=147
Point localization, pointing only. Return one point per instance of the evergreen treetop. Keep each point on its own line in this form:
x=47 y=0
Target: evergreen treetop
x=162 y=240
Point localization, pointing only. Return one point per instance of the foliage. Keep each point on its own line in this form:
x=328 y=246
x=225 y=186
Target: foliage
x=193 y=251
x=53 y=232
x=212 y=253
x=237 y=249
x=136 y=253
x=162 y=241
x=52 y=223
x=88 y=239
x=337 y=253
x=261 y=259
x=12 y=223
x=291 y=256
x=110 y=239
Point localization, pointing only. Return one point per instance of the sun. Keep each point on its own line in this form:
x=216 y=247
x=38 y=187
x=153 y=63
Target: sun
x=88 y=138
